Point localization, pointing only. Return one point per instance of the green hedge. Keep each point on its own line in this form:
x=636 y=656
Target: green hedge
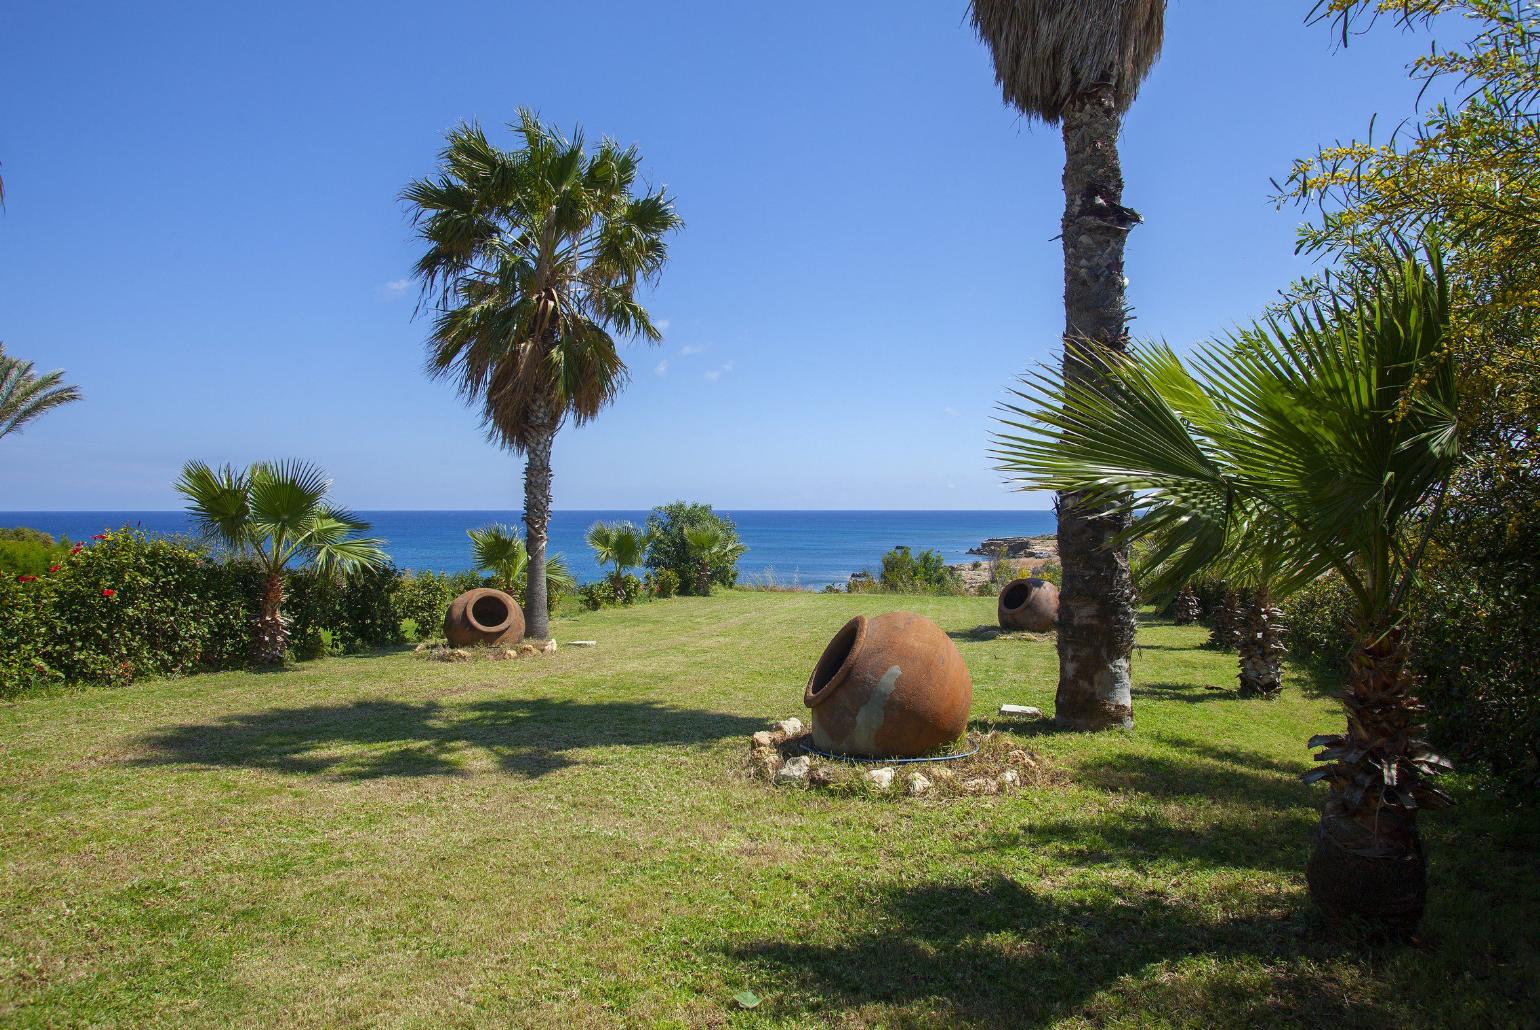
x=127 y=606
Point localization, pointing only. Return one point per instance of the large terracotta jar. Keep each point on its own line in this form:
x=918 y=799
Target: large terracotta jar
x=1029 y=604
x=893 y=686
x=483 y=616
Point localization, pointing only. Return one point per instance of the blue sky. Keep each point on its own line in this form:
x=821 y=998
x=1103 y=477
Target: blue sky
x=202 y=228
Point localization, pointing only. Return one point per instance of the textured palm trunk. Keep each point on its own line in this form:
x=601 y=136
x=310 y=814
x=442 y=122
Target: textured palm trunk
x=1184 y=611
x=1368 y=860
x=270 y=640
x=1262 y=648
x=537 y=526
x=703 y=579
x=1096 y=599
x=1224 y=623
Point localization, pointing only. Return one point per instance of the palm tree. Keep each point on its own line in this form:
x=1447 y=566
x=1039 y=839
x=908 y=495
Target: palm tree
x=276 y=513
x=25 y=395
x=497 y=549
x=710 y=548
x=533 y=261
x=1341 y=425
x=621 y=544
x=1079 y=63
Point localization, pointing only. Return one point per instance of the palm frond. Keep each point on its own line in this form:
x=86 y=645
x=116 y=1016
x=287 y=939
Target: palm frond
x=25 y=395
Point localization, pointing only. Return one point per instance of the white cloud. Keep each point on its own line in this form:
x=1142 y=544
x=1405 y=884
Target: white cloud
x=691 y=348
x=949 y=411
x=397 y=286
x=662 y=368
x=661 y=325
x=720 y=371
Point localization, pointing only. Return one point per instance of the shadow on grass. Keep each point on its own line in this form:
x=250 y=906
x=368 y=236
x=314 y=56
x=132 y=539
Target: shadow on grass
x=1187 y=693
x=369 y=739
x=1000 y=954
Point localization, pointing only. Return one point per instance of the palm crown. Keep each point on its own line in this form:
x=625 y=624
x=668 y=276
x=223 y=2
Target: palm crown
x=621 y=544
x=533 y=259
x=497 y=549
x=1312 y=441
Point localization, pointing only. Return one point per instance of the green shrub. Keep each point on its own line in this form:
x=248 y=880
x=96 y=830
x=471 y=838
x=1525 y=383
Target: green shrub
x=30 y=552
x=422 y=598
x=125 y=608
x=904 y=572
x=1476 y=645
x=662 y=583
x=669 y=550
x=1051 y=572
x=365 y=615
x=602 y=593
x=1319 y=621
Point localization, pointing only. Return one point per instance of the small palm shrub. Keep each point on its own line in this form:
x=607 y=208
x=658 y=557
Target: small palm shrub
x=668 y=548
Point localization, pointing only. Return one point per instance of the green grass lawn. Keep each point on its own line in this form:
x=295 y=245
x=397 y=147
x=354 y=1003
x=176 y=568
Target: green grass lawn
x=575 y=841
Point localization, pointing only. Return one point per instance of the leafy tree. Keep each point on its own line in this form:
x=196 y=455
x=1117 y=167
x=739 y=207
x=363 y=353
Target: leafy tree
x=710 y=547
x=533 y=261
x=277 y=514
x=497 y=549
x=1079 y=64
x=620 y=544
x=1335 y=430
x=26 y=395
x=669 y=549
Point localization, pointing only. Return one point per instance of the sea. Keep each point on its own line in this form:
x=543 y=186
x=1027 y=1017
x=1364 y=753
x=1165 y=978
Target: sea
x=791 y=548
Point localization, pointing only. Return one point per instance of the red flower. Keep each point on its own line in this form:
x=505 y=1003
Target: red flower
x=108 y=591
x=55 y=568
x=100 y=536
x=77 y=548
x=25 y=579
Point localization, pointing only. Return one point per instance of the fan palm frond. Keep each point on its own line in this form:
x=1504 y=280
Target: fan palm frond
x=26 y=395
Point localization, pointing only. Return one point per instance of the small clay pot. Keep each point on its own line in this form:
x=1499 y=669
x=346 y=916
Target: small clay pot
x=483 y=616
x=1029 y=604
x=893 y=686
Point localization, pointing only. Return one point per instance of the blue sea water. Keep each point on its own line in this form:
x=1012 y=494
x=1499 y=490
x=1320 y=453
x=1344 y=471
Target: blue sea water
x=807 y=548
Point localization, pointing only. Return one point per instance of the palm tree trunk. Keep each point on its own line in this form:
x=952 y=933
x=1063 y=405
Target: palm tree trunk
x=1224 y=622
x=1096 y=599
x=270 y=640
x=1184 y=610
x=1261 y=648
x=537 y=524
x=1368 y=860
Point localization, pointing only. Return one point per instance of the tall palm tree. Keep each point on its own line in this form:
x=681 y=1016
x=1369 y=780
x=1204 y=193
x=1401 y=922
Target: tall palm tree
x=621 y=544
x=277 y=514
x=710 y=547
x=533 y=261
x=25 y=395
x=1079 y=64
x=1341 y=425
x=497 y=549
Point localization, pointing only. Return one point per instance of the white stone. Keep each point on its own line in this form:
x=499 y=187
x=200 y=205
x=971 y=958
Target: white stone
x=918 y=784
x=1010 y=778
x=1020 y=757
x=882 y=779
x=795 y=769
x=790 y=727
x=980 y=785
x=1022 y=711
x=762 y=739
x=549 y=647
x=582 y=643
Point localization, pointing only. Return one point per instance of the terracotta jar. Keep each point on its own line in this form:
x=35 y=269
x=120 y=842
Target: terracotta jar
x=893 y=686
x=1029 y=604
x=483 y=616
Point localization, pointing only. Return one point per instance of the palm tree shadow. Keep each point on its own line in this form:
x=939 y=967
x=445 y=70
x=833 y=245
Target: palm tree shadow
x=1187 y=693
x=1000 y=954
x=369 y=739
